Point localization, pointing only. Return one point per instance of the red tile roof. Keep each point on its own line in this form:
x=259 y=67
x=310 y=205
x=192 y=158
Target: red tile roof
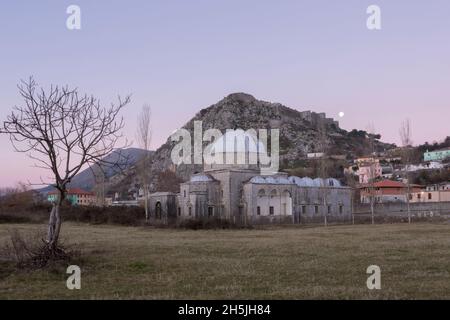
x=74 y=191
x=390 y=184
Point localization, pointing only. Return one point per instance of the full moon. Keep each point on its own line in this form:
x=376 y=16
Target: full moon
x=341 y=114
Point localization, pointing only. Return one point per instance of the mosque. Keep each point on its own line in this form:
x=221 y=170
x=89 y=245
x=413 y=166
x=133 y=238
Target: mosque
x=240 y=194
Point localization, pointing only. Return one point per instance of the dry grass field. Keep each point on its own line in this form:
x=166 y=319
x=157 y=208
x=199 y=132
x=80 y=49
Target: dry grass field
x=274 y=263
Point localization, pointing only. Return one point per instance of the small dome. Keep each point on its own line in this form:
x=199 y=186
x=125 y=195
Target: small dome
x=306 y=182
x=283 y=180
x=332 y=182
x=201 y=178
x=257 y=179
x=318 y=182
x=271 y=180
x=302 y=182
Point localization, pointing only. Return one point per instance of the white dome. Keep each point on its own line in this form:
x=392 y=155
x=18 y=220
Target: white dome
x=270 y=180
x=283 y=180
x=306 y=182
x=257 y=179
x=294 y=179
x=238 y=141
x=332 y=182
x=302 y=182
x=318 y=182
x=201 y=178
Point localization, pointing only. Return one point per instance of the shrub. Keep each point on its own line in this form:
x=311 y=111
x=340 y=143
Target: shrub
x=209 y=223
x=31 y=251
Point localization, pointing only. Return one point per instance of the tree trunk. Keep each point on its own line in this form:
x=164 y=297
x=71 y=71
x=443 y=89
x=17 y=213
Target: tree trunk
x=407 y=203
x=146 y=203
x=54 y=224
x=372 y=210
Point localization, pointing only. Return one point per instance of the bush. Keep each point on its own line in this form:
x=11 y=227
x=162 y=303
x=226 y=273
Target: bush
x=39 y=213
x=104 y=215
x=209 y=223
x=10 y=218
x=32 y=252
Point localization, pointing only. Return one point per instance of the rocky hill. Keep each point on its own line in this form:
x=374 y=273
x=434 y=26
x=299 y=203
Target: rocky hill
x=299 y=132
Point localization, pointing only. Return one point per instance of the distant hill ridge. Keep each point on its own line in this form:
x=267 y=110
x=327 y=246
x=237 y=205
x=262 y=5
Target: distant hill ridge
x=299 y=133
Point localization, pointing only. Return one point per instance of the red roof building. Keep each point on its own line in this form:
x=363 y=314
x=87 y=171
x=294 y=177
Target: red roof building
x=387 y=191
x=76 y=196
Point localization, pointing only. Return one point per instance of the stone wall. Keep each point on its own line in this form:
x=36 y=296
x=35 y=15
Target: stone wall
x=400 y=209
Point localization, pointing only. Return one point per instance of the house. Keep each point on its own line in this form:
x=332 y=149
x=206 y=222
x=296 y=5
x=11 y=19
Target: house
x=433 y=193
x=75 y=196
x=239 y=193
x=437 y=155
x=387 y=191
x=368 y=169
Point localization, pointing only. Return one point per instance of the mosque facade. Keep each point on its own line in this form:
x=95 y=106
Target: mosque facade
x=241 y=194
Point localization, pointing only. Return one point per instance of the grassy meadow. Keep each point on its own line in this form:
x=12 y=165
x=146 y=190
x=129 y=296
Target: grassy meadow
x=318 y=262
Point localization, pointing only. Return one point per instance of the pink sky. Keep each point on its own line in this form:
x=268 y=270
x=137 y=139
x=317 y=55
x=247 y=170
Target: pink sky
x=180 y=57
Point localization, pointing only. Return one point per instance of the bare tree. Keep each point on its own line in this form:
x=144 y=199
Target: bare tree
x=405 y=136
x=144 y=137
x=62 y=131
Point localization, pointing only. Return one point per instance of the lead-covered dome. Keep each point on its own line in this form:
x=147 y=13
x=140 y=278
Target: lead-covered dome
x=238 y=141
x=201 y=178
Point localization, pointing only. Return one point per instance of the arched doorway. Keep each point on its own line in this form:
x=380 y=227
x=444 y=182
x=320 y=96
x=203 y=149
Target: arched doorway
x=158 y=210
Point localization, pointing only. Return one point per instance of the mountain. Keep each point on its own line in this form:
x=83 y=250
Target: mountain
x=299 y=132
x=85 y=179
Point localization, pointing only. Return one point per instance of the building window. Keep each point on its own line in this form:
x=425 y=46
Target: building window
x=179 y=211
x=271 y=211
x=210 y=211
x=329 y=209
x=341 y=208
x=190 y=211
x=429 y=196
x=184 y=193
x=258 y=210
x=418 y=196
x=410 y=197
x=303 y=209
